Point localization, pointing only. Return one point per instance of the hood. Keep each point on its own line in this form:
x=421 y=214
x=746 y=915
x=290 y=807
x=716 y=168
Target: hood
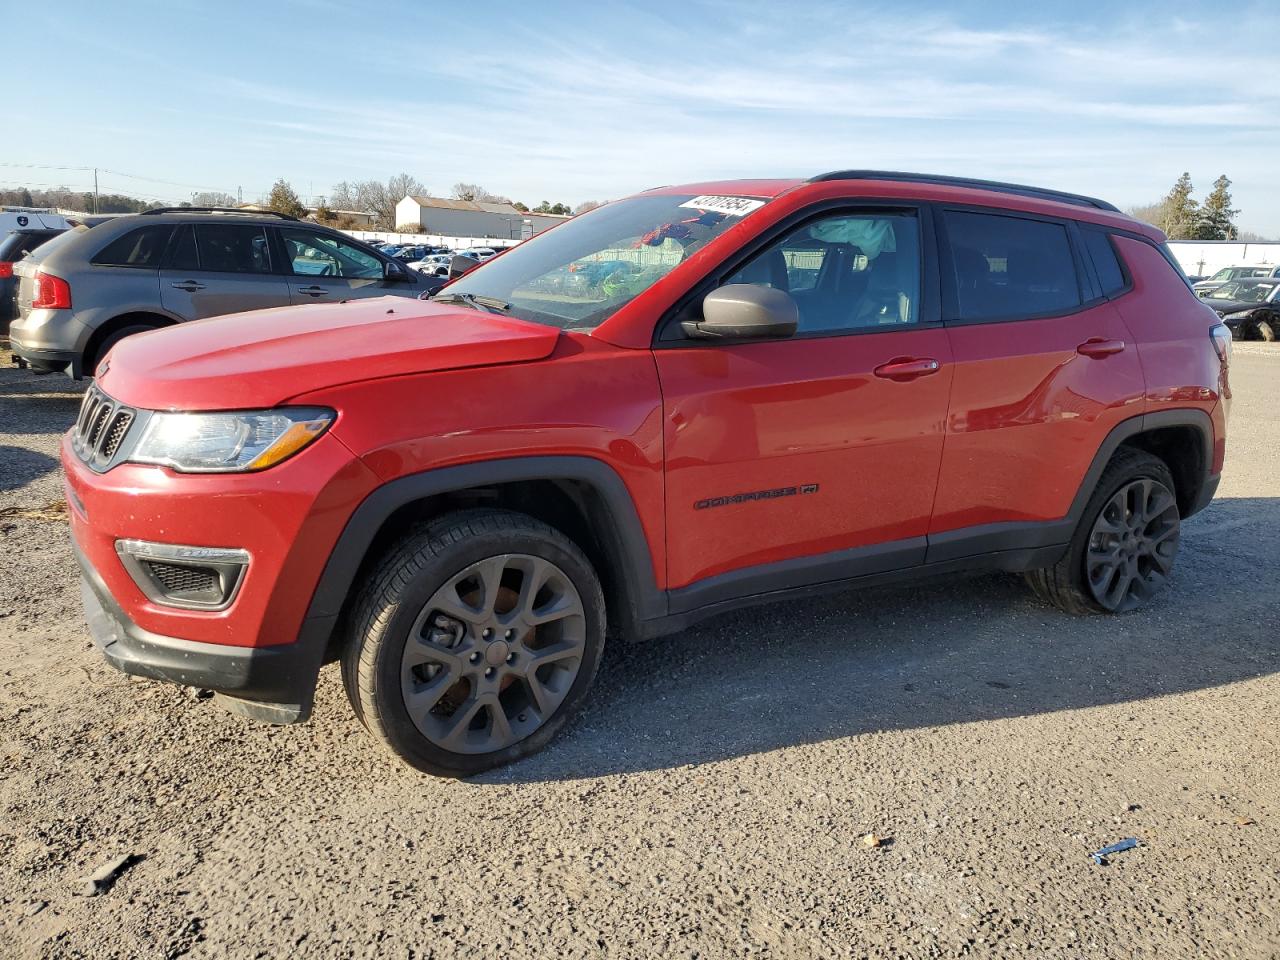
x=265 y=357
x=1224 y=307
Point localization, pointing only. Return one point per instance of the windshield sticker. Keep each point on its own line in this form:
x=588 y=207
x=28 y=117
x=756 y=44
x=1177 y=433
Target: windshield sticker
x=732 y=206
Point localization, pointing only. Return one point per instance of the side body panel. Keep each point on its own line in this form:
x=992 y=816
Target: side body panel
x=808 y=415
x=587 y=399
x=1028 y=413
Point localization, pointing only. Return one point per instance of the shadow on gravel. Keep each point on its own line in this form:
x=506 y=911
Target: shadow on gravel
x=32 y=403
x=949 y=651
x=21 y=466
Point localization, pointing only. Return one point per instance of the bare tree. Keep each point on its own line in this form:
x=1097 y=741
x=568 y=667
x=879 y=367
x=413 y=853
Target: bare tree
x=585 y=205
x=213 y=198
x=473 y=191
x=372 y=196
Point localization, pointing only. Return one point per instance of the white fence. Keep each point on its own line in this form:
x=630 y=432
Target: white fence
x=1201 y=258
x=434 y=239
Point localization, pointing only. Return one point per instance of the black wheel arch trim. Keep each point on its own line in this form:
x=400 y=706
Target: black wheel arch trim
x=627 y=536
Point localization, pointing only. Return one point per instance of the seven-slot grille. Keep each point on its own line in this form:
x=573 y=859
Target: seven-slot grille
x=101 y=428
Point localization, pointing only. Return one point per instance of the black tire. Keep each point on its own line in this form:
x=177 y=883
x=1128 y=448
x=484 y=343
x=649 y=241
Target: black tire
x=395 y=597
x=114 y=337
x=1267 y=331
x=1066 y=584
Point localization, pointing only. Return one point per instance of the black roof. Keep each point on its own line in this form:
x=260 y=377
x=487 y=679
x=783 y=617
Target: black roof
x=1040 y=193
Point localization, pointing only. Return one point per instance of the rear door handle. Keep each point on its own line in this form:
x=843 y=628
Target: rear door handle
x=1098 y=347
x=902 y=369
x=314 y=291
x=190 y=286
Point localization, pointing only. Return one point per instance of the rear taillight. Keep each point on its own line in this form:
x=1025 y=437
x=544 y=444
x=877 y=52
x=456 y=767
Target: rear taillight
x=6 y=269
x=1221 y=336
x=52 y=293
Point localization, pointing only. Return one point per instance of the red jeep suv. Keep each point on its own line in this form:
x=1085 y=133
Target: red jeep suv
x=693 y=399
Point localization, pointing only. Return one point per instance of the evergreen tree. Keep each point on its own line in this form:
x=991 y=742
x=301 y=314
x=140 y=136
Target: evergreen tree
x=284 y=200
x=1216 y=221
x=1181 y=212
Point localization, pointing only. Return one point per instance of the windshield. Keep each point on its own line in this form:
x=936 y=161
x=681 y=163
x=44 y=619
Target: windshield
x=578 y=274
x=1243 y=292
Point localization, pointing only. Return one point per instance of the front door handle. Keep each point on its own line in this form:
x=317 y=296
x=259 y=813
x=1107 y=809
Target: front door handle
x=902 y=369
x=1099 y=347
x=314 y=291
x=190 y=286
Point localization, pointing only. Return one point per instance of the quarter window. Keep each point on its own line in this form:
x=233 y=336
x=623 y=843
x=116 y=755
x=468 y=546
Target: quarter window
x=1009 y=267
x=1104 y=260
x=232 y=248
x=138 y=248
x=845 y=272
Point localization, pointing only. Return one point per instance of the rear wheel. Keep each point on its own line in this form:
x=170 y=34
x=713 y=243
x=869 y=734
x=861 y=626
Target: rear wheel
x=474 y=641
x=1124 y=547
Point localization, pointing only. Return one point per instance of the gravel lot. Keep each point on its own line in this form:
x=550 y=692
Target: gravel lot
x=711 y=801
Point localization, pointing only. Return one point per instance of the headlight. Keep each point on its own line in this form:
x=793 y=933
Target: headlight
x=1238 y=315
x=232 y=442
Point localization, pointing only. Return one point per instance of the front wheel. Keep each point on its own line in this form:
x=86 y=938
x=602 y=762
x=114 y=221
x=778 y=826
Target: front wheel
x=1123 y=548
x=474 y=640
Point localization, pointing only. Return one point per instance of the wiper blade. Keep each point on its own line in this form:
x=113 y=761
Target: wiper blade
x=492 y=304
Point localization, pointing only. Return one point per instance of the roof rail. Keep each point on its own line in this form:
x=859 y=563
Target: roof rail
x=249 y=213
x=1041 y=193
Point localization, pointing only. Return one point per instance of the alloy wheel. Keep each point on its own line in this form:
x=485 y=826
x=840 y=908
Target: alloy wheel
x=493 y=653
x=1132 y=545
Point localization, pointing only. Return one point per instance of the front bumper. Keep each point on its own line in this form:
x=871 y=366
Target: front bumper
x=266 y=683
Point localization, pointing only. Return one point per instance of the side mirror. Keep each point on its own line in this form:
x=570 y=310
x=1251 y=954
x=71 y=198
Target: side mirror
x=394 y=271
x=460 y=265
x=744 y=310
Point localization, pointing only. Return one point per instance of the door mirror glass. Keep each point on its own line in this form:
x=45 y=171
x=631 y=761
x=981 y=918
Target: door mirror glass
x=744 y=310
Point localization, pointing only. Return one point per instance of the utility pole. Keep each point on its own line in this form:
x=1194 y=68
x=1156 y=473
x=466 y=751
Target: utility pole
x=95 y=189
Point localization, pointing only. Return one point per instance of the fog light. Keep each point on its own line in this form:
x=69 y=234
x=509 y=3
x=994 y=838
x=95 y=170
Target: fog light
x=197 y=578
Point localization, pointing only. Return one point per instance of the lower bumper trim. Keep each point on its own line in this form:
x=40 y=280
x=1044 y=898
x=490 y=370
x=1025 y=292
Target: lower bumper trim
x=273 y=684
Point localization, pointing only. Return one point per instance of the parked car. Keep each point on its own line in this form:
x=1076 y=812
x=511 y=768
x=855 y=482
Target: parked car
x=13 y=247
x=24 y=218
x=1249 y=308
x=1204 y=287
x=796 y=386
x=80 y=295
x=433 y=263
x=479 y=253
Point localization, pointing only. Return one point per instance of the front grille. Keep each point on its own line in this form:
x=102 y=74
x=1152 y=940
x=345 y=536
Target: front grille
x=186 y=582
x=100 y=428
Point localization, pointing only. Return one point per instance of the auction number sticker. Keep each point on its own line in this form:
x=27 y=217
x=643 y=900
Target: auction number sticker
x=731 y=206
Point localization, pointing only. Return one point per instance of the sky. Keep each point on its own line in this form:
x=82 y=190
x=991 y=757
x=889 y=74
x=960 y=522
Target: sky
x=592 y=101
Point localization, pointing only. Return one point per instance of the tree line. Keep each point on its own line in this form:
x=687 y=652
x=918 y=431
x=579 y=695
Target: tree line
x=1182 y=217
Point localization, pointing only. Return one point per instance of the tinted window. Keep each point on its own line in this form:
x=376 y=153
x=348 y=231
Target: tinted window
x=320 y=255
x=182 y=254
x=1008 y=267
x=845 y=272
x=138 y=248
x=1104 y=260
x=17 y=245
x=233 y=248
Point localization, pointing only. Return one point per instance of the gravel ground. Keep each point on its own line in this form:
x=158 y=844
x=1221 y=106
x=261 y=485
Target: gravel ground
x=711 y=801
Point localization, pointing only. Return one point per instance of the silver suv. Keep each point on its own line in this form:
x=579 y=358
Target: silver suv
x=82 y=292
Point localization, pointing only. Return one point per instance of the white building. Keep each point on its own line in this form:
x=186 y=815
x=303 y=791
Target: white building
x=471 y=218
x=1202 y=258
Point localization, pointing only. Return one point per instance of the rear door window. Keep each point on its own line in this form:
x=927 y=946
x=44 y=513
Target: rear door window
x=233 y=248
x=142 y=247
x=1009 y=267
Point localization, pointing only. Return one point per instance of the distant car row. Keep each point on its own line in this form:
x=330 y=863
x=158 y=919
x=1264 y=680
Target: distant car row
x=1249 y=307
x=1204 y=286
